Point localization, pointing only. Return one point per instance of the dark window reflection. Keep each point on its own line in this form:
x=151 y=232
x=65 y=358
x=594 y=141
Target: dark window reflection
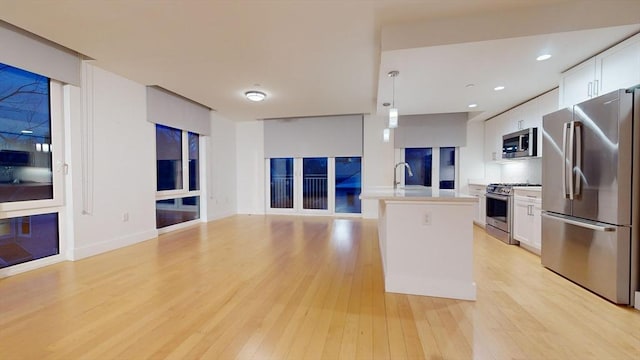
x=194 y=161
x=176 y=211
x=420 y=161
x=27 y=238
x=314 y=183
x=447 y=167
x=348 y=184
x=25 y=136
x=169 y=158
x=281 y=170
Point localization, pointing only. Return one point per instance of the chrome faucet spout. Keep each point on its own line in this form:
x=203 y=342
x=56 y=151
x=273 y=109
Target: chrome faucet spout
x=395 y=173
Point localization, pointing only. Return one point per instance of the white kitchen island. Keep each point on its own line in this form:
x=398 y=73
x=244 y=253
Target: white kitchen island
x=426 y=241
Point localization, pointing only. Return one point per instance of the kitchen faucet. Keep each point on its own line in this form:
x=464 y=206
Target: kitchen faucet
x=395 y=172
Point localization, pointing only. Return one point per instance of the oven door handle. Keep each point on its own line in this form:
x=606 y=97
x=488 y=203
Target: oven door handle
x=497 y=197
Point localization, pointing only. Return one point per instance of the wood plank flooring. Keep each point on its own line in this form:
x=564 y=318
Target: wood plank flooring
x=277 y=287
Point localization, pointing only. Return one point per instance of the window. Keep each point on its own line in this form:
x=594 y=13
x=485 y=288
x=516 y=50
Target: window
x=169 y=158
x=422 y=160
x=419 y=159
x=447 y=167
x=314 y=185
x=27 y=238
x=25 y=136
x=281 y=183
x=194 y=161
x=30 y=131
x=176 y=203
x=348 y=184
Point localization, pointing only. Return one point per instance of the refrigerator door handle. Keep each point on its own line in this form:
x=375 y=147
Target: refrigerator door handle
x=572 y=138
x=576 y=170
x=564 y=160
x=587 y=225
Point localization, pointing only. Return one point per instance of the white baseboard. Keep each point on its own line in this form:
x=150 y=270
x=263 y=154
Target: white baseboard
x=112 y=244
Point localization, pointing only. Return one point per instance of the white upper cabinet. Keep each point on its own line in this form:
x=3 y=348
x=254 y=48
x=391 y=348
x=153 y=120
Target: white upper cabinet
x=615 y=68
x=576 y=84
x=618 y=67
x=524 y=116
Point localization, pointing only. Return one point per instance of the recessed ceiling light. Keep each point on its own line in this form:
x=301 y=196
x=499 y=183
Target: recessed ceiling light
x=473 y=105
x=469 y=85
x=254 y=95
x=498 y=88
x=543 y=57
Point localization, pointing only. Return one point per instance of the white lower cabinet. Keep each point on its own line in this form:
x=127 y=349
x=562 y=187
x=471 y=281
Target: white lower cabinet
x=479 y=214
x=527 y=222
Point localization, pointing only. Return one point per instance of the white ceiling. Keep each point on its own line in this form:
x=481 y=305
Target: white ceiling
x=331 y=57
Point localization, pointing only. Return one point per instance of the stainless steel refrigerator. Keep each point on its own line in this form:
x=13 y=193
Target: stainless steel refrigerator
x=590 y=194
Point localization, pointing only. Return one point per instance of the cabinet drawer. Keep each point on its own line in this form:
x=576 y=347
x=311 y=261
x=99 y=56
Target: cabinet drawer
x=528 y=194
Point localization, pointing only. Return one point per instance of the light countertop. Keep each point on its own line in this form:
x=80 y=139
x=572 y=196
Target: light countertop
x=417 y=193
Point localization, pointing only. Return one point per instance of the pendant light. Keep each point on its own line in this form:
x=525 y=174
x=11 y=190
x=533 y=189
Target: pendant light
x=393 y=111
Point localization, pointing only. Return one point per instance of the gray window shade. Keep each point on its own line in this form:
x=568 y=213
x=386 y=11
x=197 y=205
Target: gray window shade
x=27 y=51
x=169 y=109
x=431 y=130
x=329 y=136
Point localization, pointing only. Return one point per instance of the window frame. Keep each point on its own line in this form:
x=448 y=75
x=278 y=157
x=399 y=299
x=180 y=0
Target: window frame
x=59 y=113
x=298 y=189
x=184 y=192
x=435 y=168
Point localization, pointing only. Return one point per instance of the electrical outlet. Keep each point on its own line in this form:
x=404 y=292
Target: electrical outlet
x=426 y=219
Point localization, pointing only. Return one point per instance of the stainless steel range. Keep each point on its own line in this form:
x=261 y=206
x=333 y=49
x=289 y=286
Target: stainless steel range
x=500 y=211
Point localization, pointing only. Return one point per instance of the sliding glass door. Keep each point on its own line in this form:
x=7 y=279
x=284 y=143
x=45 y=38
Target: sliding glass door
x=281 y=183
x=314 y=185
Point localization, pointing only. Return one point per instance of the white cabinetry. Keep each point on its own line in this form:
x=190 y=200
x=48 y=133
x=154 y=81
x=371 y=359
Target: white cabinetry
x=479 y=214
x=527 y=218
x=524 y=116
x=615 y=68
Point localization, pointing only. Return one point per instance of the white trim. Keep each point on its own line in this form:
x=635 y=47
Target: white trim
x=112 y=244
x=179 y=226
x=32 y=265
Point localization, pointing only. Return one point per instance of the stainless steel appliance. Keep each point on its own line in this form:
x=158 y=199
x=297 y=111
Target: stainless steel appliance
x=590 y=194
x=499 y=211
x=520 y=144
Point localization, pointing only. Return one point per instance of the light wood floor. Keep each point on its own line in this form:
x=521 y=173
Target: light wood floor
x=298 y=287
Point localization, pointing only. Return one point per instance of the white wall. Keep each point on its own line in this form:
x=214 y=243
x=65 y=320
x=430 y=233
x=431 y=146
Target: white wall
x=221 y=168
x=377 y=161
x=472 y=165
x=250 y=171
x=122 y=179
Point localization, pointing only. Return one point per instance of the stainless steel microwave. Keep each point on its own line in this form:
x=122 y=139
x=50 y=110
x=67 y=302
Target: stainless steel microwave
x=520 y=144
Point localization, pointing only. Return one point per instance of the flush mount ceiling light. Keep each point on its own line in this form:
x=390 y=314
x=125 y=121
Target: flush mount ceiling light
x=544 y=57
x=393 y=111
x=473 y=105
x=498 y=88
x=254 y=95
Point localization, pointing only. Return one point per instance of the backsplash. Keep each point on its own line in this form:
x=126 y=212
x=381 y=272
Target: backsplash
x=522 y=171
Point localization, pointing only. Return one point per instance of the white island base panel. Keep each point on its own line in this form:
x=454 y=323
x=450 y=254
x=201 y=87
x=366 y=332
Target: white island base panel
x=427 y=248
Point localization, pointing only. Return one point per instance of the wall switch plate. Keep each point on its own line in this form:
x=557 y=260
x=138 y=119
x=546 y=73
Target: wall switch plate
x=637 y=306
x=125 y=216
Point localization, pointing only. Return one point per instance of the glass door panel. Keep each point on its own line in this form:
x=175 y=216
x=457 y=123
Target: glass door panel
x=315 y=183
x=419 y=159
x=447 y=167
x=281 y=183
x=348 y=184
